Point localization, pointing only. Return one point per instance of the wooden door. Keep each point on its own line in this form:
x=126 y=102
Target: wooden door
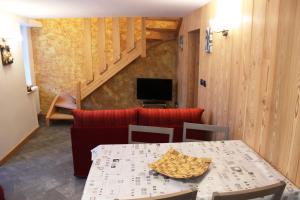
x=193 y=68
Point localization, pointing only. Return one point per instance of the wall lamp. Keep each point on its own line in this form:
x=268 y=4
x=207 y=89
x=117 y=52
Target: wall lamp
x=218 y=27
x=224 y=32
x=228 y=16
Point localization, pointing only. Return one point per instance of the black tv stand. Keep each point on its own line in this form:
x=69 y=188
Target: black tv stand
x=154 y=104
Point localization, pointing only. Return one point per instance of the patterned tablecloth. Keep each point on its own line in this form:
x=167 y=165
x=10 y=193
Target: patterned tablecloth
x=122 y=172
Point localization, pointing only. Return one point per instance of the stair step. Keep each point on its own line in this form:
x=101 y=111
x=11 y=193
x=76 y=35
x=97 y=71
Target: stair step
x=150 y=39
x=161 y=29
x=61 y=116
x=162 y=36
x=162 y=18
x=66 y=101
x=65 y=104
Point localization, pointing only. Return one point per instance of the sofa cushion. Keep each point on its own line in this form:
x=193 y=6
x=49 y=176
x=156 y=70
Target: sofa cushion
x=104 y=118
x=172 y=118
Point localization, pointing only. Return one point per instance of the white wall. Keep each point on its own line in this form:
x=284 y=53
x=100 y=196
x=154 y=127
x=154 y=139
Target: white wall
x=17 y=108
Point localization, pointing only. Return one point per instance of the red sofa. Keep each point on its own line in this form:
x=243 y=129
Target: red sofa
x=1 y=193
x=92 y=128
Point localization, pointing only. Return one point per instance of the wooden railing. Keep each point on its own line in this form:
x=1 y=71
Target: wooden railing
x=114 y=68
x=98 y=75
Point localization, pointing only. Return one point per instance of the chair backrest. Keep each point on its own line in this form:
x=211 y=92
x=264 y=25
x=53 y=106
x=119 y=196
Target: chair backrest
x=190 y=194
x=276 y=190
x=204 y=127
x=149 y=129
x=184 y=195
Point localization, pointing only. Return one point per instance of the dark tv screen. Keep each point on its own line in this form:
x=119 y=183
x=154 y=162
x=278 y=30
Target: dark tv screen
x=154 y=89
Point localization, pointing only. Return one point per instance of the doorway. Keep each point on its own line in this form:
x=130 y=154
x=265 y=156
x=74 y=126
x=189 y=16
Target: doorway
x=193 y=68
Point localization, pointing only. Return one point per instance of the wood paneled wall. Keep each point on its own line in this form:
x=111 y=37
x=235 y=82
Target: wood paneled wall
x=253 y=78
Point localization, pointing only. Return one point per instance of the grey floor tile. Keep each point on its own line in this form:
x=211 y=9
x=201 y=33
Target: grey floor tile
x=43 y=168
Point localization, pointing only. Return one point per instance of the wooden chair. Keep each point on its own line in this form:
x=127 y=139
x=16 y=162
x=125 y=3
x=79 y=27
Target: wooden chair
x=204 y=127
x=149 y=129
x=276 y=190
x=190 y=194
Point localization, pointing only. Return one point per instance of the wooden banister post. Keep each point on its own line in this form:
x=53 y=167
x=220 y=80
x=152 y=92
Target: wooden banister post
x=102 y=54
x=88 y=51
x=130 y=34
x=78 y=95
x=143 y=29
x=116 y=39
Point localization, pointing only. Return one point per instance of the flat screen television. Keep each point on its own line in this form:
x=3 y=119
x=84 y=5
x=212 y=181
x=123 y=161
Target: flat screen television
x=154 y=89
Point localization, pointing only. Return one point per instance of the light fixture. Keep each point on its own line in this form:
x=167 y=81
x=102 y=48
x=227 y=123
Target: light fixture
x=218 y=27
x=228 y=16
x=208 y=40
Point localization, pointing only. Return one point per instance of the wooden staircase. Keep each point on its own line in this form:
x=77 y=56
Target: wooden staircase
x=112 y=69
x=61 y=107
x=153 y=31
x=162 y=29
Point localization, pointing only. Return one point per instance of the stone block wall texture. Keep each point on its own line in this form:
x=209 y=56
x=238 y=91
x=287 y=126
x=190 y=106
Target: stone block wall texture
x=58 y=57
x=59 y=62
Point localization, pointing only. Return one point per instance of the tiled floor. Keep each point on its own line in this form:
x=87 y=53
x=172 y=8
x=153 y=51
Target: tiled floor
x=43 y=168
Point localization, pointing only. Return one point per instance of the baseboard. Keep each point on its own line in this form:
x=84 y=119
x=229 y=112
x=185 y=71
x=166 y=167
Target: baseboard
x=16 y=148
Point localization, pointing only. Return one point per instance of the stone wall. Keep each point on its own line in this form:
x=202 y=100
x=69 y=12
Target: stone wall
x=58 y=57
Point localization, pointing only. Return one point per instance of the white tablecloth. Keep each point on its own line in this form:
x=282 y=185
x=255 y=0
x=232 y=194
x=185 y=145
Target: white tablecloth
x=122 y=172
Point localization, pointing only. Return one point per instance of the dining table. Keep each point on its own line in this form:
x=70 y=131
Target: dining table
x=122 y=171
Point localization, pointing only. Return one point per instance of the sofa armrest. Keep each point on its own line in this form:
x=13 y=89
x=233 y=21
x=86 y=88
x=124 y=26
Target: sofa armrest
x=1 y=193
